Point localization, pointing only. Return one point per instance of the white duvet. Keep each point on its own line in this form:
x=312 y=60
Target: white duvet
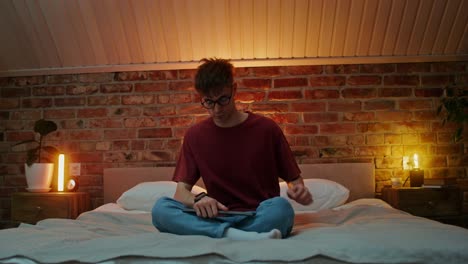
x=365 y=231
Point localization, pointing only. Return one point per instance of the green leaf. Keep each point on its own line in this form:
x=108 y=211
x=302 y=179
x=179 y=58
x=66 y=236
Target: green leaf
x=44 y=127
x=51 y=150
x=458 y=135
x=453 y=108
x=32 y=156
x=25 y=142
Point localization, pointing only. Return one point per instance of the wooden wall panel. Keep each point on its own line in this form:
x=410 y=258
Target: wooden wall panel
x=48 y=36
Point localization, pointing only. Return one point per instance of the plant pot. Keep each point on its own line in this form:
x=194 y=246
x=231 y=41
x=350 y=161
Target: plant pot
x=39 y=176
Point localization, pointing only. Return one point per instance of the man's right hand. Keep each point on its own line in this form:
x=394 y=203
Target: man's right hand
x=208 y=207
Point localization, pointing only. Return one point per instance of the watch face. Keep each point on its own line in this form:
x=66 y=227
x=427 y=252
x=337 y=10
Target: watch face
x=72 y=185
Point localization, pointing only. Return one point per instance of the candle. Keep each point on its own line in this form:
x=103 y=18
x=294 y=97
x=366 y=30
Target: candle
x=61 y=172
x=416 y=161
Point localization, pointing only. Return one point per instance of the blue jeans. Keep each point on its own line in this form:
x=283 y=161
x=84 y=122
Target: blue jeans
x=274 y=213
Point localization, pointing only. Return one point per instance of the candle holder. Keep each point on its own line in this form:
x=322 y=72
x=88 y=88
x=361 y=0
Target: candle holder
x=416 y=175
x=416 y=178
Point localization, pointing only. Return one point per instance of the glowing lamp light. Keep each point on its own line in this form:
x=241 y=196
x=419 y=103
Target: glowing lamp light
x=416 y=161
x=61 y=172
x=416 y=175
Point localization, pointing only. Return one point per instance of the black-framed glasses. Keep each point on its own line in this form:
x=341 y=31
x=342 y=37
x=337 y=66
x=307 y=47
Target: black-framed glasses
x=222 y=101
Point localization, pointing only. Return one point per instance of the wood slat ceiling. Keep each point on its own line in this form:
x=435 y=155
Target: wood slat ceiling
x=74 y=36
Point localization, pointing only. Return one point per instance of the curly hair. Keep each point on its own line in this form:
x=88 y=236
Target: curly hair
x=213 y=75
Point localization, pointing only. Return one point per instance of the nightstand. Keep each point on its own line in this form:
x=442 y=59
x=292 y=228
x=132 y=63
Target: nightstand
x=440 y=204
x=29 y=207
x=463 y=185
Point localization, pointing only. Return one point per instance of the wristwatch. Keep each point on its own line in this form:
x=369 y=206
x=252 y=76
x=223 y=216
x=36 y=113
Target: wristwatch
x=199 y=196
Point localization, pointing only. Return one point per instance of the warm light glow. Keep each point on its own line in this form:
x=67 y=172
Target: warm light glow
x=61 y=172
x=416 y=161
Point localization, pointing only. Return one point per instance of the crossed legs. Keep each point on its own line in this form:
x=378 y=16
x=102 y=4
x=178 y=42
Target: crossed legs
x=274 y=218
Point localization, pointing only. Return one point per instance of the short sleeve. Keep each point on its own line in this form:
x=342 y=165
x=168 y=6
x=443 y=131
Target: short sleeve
x=289 y=170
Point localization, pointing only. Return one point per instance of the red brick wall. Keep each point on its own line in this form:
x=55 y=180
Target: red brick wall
x=331 y=113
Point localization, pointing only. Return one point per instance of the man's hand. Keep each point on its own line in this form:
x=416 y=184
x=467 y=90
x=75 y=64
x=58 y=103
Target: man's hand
x=208 y=207
x=299 y=193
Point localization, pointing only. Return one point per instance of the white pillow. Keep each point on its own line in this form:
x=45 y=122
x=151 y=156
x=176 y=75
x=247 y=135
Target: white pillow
x=144 y=195
x=326 y=194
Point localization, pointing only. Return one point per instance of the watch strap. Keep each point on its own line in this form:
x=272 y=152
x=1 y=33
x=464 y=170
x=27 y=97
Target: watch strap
x=199 y=196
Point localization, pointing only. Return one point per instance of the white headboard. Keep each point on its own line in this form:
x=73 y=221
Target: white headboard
x=357 y=177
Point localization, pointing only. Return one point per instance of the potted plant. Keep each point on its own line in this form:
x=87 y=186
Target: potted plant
x=453 y=108
x=39 y=167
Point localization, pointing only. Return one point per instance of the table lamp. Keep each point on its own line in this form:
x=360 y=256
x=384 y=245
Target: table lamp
x=416 y=174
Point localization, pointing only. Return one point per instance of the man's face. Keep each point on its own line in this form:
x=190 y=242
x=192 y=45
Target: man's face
x=220 y=106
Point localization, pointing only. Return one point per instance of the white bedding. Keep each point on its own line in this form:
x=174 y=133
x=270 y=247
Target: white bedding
x=363 y=231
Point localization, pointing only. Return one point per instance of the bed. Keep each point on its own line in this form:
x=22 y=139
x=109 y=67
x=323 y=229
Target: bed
x=347 y=226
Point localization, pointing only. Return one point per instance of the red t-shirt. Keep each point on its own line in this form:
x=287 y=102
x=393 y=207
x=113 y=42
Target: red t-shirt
x=239 y=165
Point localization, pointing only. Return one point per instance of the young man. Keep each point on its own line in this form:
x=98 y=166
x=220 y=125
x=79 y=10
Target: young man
x=240 y=156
